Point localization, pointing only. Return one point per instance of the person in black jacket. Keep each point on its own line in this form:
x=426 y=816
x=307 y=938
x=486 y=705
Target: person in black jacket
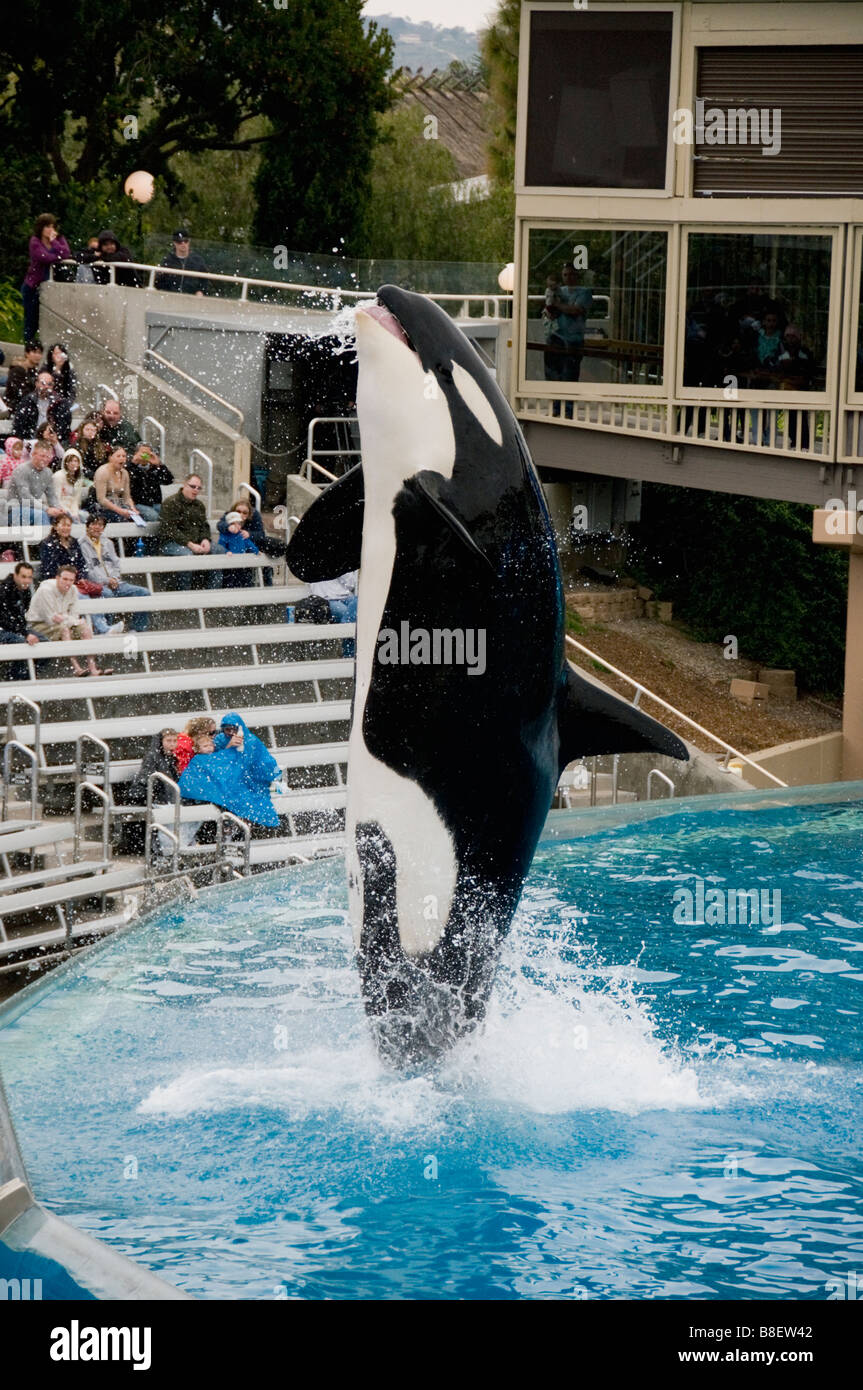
x=42 y=404
x=182 y=258
x=16 y=591
x=111 y=251
x=158 y=758
x=147 y=476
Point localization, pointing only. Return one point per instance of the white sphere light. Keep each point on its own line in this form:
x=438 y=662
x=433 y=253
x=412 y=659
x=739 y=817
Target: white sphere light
x=140 y=186
x=506 y=279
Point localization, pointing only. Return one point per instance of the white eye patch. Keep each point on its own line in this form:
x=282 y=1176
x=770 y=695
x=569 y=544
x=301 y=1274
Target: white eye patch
x=477 y=401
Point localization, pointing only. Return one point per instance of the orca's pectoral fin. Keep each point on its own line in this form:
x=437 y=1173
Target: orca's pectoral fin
x=329 y=537
x=593 y=721
x=428 y=485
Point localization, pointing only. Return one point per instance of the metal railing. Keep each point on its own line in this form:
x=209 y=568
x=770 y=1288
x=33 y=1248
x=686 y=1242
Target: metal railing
x=643 y=690
x=253 y=494
x=246 y=835
x=14 y=743
x=660 y=777
x=11 y=702
x=105 y=799
x=198 y=385
x=152 y=826
x=311 y=451
x=306 y=471
x=492 y=304
x=157 y=424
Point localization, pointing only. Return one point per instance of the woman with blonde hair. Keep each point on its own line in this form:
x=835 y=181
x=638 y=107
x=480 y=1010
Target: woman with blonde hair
x=201 y=726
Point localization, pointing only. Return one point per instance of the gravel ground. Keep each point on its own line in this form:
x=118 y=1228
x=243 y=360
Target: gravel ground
x=696 y=677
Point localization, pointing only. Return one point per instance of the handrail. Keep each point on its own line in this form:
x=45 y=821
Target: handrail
x=247 y=838
x=247 y=282
x=151 y=824
x=643 y=690
x=106 y=819
x=11 y=701
x=107 y=391
x=309 y=464
x=79 y=760
x=34 y=775
x=329 y=420
x=198 y=385
x=151 y=420
x=209 y=462
x=654 y=772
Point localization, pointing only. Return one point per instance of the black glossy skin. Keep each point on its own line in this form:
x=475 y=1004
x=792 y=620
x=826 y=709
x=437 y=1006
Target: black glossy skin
x=484 y=748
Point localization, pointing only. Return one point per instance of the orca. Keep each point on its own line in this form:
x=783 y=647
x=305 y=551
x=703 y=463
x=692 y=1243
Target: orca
x=451 y=770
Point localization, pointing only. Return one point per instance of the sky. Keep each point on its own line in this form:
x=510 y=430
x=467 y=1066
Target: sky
x=468 y=14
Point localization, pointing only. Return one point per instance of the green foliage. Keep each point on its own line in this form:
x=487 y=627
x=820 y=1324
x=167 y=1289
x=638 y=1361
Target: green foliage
x=11 y=313
x=499 y=49
x=413 y=214
x=182 y=81
x=747 y=567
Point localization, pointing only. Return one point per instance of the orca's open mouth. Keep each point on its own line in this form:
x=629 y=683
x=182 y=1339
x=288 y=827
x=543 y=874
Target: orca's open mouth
x=387 y=319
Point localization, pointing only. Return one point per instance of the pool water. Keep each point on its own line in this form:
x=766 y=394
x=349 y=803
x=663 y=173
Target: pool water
x=654 y=1108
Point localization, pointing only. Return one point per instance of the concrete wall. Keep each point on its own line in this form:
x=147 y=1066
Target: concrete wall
x=701 y=776
x=187 y=425
x=805 y=763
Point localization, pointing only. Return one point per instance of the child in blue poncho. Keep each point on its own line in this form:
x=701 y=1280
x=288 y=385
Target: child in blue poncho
x=237 y=776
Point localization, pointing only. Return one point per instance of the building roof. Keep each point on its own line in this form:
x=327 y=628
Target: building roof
x=459 y=107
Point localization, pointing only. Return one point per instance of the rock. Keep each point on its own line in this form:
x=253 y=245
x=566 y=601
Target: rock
x=749 y=690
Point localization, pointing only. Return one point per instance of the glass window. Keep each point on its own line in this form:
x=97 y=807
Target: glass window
x=598 y=92
x=596 y=306
x=757 y=309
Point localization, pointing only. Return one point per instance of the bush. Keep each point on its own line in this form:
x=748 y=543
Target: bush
x=747 y=567
x=11 y=313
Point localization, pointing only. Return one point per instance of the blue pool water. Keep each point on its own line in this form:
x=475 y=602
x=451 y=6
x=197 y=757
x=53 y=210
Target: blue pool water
x=655 y=1108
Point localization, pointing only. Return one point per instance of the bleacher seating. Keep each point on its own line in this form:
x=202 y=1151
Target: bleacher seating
x=204 y=651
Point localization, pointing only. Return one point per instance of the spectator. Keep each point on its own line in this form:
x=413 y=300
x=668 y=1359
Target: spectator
x=116 y=429
x=53 y=614
x=112 y=488
x=15 y=595
x=182 y=258
x=93 y=449
x=147 y=476
x=70 y=483
x=112 y=253
x=185 y=530
x=341 y=595
x=185 y=751
x=22 y=373
x=159 y=758
x=40 y=405
x=47 y=247
x=47 y=434
x=60 y=548
x=236 y=777
x=32 y=486
x=236 y=542
x=58 y=364
x=569 y=305
x=102 y=566
x=253 y=529
x=12 y=456
x=90 y=252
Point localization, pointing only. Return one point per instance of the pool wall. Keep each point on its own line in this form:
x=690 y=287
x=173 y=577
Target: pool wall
x=38 y=1249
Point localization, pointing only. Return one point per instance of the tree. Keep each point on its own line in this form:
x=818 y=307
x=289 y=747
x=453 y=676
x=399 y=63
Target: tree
x=94 y=91
x=499 y=48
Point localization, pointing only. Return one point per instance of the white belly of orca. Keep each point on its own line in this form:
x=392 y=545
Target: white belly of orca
x=426 y=868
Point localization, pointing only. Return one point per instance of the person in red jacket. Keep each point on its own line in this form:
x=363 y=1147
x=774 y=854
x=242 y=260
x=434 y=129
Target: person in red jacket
x=47 y=247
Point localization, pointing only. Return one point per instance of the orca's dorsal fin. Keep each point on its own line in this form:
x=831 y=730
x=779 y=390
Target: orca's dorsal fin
x=594 y=721
x=328 y=540
x=429 y=486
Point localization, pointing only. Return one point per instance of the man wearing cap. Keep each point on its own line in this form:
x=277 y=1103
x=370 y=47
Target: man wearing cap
x=182 y=258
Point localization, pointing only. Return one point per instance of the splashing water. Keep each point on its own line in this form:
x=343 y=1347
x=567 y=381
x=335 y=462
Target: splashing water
x=651 y=1108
